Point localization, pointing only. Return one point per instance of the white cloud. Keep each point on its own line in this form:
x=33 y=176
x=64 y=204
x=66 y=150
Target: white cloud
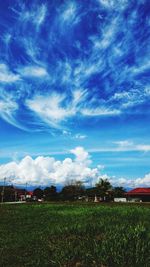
x=40 y=14
x=50 y=109
x=47 y=170
x=138 y=182
x=55 y=109
x=66 y=73
x=108 y=34
x=124 y=143
x=145 y=180
x=81 y=154
x=144 y=148
x=145 y=66
x=127 y=145
x=122 y=146
x=35 y=15
x=78 y=96
x=84 y=70
x=100 y=112
x=80 y=136
x=69 y=13
x=111 y=4
x=33 y=71
x=6 y=76
x=101 y=58
x=7 y=38
x=130 y=98
x=76 y=136
x=8 y=108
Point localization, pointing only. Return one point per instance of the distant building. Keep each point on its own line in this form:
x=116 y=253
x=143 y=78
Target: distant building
x=23 y=195
x=120 y=199
x=138 y=194
x=29 y=194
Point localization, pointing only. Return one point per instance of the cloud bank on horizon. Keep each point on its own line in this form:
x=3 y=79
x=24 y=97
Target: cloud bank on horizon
x=49 y=171
x=63 y=61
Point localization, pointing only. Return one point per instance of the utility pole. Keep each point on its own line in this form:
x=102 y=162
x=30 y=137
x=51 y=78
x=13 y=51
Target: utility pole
x=15 y=195
x=26 y=191
x=3 y=190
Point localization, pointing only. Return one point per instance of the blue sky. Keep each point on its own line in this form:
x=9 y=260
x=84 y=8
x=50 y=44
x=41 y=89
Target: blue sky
x=74 y=84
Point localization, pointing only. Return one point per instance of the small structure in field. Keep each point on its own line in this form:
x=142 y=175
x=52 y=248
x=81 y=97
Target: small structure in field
x=120 y=199
x=95 y=199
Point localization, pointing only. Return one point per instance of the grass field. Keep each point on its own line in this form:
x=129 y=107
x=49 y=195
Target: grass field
x=74 y=235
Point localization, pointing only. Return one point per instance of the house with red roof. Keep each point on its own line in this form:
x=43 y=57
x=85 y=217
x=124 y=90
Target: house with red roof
x=23 y=195
x=138 y=194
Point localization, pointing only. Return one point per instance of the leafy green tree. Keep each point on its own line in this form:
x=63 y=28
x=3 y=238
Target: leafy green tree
x=38 y=192
x=8 y=193
x=118 y=191
x=72 y=191
x=50 y=193
x=91 y=192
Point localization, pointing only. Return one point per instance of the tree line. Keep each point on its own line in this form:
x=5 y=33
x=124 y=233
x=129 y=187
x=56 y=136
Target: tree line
x=75 y=190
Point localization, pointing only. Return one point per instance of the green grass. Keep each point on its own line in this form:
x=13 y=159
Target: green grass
x=74 y=235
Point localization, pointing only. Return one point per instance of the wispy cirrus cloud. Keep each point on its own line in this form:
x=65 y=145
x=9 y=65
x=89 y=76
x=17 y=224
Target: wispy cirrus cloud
x=33 y=71
x=69 y=13
x=56 y=109
x=128 y=145
x=35 y=15
x=80 y=136
x=113 y=4
x=8 y=108
x=75 y=51
x=50 y=109
x=122 y=146
x=103 y=111
x=6 y=76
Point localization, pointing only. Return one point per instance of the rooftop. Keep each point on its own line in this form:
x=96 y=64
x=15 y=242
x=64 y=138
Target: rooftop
x=139 y=191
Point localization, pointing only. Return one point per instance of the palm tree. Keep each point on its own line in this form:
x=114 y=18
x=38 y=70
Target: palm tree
x=103 y=187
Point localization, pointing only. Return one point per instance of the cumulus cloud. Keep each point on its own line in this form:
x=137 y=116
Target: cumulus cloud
x=48 y=170
x=81 y=154
x=138 y=182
